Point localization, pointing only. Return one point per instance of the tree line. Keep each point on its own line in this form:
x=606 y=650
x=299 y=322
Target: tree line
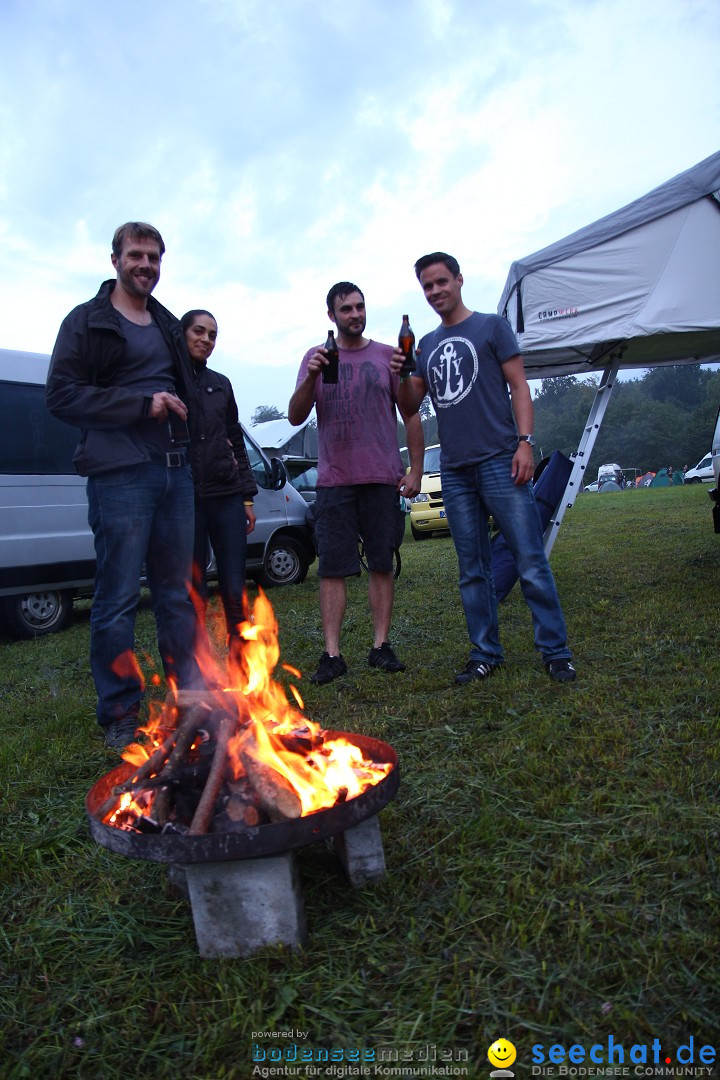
x=666 y=417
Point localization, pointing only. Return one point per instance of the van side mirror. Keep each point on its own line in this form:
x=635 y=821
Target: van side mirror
x=278 y=475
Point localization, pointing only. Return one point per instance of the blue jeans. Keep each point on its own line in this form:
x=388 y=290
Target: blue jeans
x=140 y=515
x=222 y=521
x=471 y=494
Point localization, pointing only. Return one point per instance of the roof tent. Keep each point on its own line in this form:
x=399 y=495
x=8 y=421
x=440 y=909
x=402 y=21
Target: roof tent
x=638 y=288
x=280 y=436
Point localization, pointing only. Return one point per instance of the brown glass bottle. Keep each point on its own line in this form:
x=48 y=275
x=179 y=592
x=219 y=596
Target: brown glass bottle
x=406 y=341
x=331 y=369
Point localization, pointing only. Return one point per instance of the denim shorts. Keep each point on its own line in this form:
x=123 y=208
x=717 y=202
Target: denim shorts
x=342 y=515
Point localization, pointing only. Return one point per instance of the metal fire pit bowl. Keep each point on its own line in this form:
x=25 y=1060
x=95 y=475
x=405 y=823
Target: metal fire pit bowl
x=251 y=843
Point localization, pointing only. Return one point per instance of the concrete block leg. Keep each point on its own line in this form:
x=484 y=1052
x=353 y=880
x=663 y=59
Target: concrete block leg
x=238 y=907
x=178 y=879
x=360 y=851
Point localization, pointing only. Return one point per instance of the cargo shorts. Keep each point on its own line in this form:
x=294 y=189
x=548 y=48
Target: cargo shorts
x=343 y=515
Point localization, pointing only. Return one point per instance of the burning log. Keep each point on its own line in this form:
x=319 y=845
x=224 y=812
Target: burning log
x=204 y=812
x=240 y=813
x=187 y=773
x=301 y=740
x=238 y=810
x=242 y=808
x=186 y=732
x=160 y=769
x=153 y=763
x=275 y=793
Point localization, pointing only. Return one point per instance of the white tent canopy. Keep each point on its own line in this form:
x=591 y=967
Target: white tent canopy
x=280 y=436
x=636 y=289
x=640 y=286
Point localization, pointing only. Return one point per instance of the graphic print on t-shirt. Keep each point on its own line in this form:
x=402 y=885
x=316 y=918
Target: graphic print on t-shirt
x=452 y=369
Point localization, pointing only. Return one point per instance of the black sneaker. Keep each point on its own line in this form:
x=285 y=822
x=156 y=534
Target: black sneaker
x=122 y=732
x=385 y=659
x=329 y=668
x=475 y=669
x=560 y=670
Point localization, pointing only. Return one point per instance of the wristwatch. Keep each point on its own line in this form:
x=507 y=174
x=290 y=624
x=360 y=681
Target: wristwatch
x=527 y=438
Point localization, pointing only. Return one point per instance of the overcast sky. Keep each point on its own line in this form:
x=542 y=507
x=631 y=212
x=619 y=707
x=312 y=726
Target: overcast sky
x=283 y=145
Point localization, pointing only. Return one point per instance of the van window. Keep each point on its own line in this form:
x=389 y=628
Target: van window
x=257 y=464
x=432 y=459
x=32 y=441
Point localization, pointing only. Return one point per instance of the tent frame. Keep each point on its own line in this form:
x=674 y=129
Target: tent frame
x=581 y=456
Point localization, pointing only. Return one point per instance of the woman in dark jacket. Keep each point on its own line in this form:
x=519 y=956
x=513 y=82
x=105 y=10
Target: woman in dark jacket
x=224 y=483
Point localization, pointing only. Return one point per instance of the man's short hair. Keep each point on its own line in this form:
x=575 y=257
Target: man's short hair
x=137 y=230
x=450 y=263
x=341 y=290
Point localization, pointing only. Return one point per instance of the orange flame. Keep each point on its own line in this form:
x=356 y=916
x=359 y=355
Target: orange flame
x=127 y=807
x=321 y=771
x=126 y=666
x=328 y=772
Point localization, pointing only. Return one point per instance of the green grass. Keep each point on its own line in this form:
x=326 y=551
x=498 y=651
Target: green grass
x=552 y=852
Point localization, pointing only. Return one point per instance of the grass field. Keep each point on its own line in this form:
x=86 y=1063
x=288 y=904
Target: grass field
x=552 y=852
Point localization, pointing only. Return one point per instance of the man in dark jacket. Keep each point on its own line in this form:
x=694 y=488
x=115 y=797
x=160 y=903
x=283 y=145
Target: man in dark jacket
x=120 y=371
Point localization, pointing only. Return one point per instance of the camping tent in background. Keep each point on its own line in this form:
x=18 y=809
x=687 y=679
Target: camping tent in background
x=638 y=288
x=645 y=480
x=661 y=479
x=279 y=437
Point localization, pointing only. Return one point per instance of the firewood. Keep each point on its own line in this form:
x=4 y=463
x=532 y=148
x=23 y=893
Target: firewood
x=301 y=740
x=236 y=806
x=185 y=774
x=108 y=805
x=221 y=823
x=224 y=701
x=153 y=763
x=135 y=781
x=203 y=814
x=252 y=816
x=195 y=716
x=275 y=793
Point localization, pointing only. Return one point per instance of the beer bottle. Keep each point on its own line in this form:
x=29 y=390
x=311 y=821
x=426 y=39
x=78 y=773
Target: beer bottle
x=330 y=370
x=406 y=341
x=179 y=433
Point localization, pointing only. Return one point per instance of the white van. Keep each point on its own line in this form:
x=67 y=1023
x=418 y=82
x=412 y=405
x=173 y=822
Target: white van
x=47 y=556
x=610 y=477
x=714 y=492
x=702 y=472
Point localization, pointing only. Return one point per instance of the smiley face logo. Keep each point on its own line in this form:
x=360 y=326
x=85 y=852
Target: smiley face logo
x=502 y=1054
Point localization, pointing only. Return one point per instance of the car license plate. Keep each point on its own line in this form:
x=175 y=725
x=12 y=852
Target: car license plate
x=442 y=513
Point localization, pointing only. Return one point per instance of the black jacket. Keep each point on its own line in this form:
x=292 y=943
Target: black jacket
x=84 y=384
x=217 y=468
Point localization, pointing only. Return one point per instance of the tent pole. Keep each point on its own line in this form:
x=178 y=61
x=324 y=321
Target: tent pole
x=582 y=455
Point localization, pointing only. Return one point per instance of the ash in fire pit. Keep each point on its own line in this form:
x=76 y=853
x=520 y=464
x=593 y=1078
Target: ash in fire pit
x=240 y=774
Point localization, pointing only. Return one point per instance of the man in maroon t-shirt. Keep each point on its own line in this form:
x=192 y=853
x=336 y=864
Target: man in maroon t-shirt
x=360 y=474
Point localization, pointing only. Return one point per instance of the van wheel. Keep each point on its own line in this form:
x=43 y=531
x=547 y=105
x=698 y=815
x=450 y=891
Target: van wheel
x=417 y=534
x=285 y=563
x=37 y=613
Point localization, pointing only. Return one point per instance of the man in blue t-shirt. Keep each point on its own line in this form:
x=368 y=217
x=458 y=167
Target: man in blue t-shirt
x=472 y=368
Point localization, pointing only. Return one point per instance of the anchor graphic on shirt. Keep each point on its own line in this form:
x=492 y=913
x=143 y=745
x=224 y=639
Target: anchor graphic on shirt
x=448 y=361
